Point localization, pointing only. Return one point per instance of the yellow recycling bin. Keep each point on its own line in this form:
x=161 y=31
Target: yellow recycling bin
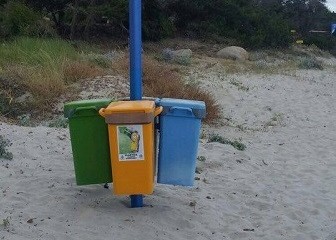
x=131 y=137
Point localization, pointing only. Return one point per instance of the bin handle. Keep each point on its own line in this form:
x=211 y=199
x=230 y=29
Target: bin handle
x=102 y=112
x=181 y=109
x=157 y=111
x=74 y=111
x=143 y=98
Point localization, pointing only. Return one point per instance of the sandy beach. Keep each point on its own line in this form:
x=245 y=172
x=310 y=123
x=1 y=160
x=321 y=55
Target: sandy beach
x=282 y=186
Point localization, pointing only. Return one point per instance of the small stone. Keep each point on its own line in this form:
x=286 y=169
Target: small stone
x=30 y=220
x=248 y=229
x=198 y=170
x=61 y=137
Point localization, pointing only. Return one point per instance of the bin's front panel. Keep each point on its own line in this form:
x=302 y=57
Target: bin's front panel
x=132 y=158
x=178 y=147
x=90 y=147
x=129 y=118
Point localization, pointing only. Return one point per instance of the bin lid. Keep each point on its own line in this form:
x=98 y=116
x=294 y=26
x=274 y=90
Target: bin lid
x=142 y=106
x=87 y=107
x=197 y=107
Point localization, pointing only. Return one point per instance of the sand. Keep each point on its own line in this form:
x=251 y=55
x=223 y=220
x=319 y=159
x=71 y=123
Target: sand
x=281 y=187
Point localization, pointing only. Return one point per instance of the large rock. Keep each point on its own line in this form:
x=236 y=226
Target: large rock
x=182 y=56
x=234 y=53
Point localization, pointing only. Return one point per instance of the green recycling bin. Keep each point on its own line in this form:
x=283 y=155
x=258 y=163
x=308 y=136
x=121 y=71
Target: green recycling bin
x=89 y=141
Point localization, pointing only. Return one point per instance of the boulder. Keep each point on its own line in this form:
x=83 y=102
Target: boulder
x=234 y=53
x=181 y=56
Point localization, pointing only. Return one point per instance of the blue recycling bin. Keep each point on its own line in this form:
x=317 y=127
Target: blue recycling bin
x=179 y=128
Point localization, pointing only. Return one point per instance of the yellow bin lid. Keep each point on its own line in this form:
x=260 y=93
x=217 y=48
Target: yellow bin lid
x=130 y=107
x=129 y=112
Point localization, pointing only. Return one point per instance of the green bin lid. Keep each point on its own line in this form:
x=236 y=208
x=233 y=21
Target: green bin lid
x=86 y=107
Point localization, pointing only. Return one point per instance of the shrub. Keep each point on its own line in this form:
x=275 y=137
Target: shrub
x=9 y=90
x=3 y=149
x=41 y=28
x=163 y=81
x=264 y=29
x=74 y=71
x=24 y=120
x=97 y=59
x=249 y=24
x=16 y=18
x=42 y=67
x=310 y=63
x=160 y=80
x=5 y=223
x=156 y=24
x=59 y=122
x=325 y=41
x=237 y=145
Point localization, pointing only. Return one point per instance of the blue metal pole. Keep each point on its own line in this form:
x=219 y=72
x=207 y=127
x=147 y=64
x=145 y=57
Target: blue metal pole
x=135 y=66
x=135 y=50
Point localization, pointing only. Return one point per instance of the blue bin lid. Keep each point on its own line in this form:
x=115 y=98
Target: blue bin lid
x=197 y=107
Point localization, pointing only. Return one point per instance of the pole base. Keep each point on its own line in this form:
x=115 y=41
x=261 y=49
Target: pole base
x=136 y=201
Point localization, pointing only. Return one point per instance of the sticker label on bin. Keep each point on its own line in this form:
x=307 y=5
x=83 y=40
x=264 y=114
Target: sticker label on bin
x=130 y=142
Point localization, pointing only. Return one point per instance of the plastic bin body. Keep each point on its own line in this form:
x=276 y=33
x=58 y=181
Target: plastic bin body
x=89 y=141
x=180 y=124
x=131 y=134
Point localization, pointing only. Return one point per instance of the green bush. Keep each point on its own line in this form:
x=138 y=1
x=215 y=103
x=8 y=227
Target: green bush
x=59 y=122
x=41 y=28
x=16 y=18
x=156 y=24
x=3 y=149
x=249 y=24
x=237 y=145
x=310 y=63
x=6 y=106
x=323 y=41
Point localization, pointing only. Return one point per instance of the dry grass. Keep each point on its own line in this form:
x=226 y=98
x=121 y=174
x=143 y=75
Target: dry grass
x=48 y=83
x=44 y=68
x=80 y=70
x=43 y=83
x=161 y=80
